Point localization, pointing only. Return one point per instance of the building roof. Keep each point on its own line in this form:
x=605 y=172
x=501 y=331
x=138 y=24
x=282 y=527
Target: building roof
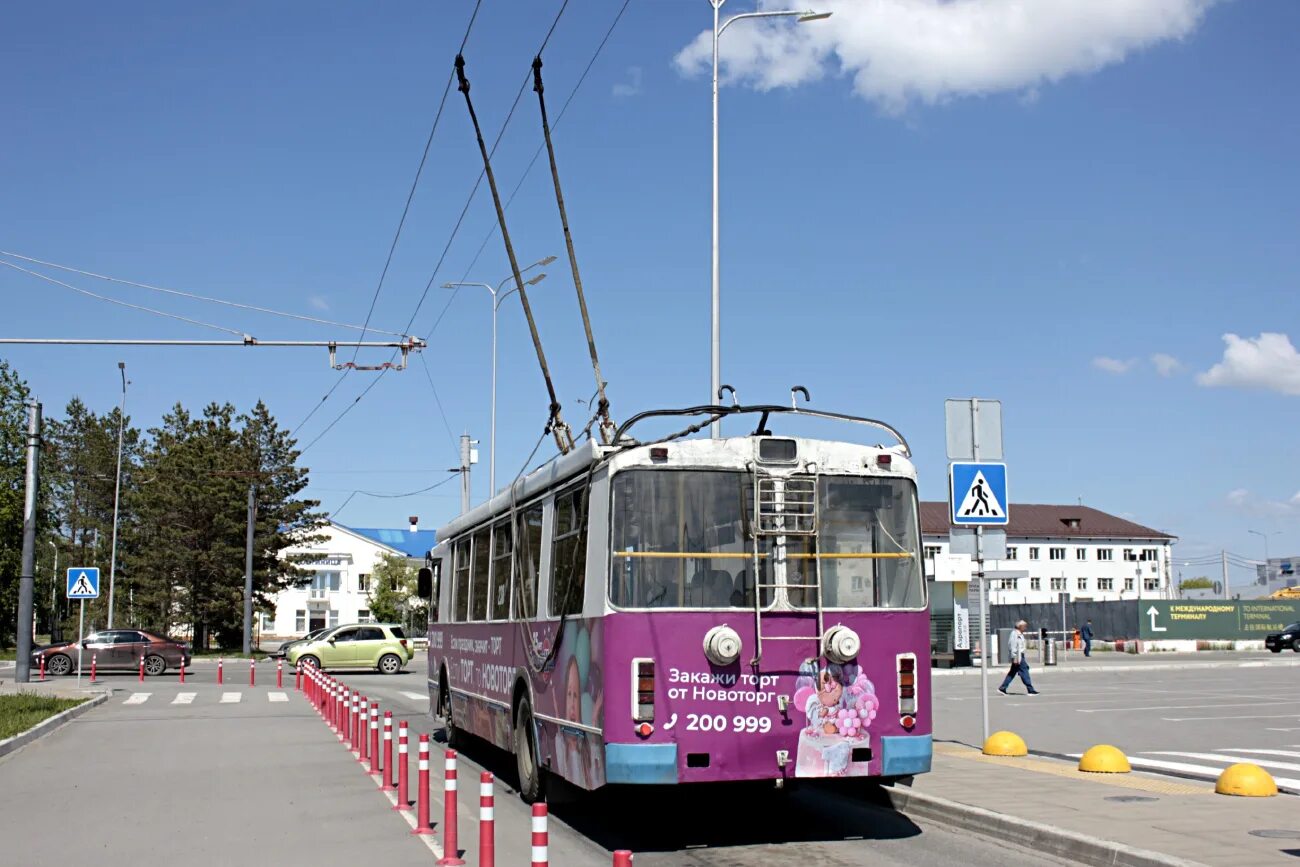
x=415 y=543
x=1030 y=520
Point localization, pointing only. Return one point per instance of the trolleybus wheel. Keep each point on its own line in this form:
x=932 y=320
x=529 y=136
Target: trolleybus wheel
x=455 y=738
x=530 y=772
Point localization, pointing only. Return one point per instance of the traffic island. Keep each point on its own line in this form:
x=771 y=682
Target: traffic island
x=27 y=716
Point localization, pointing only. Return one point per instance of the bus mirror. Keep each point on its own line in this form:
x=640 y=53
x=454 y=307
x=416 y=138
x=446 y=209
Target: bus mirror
x=424 y=583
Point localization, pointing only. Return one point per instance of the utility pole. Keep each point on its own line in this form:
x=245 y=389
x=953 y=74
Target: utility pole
x=1227 y=590
x=468 y=457
x=27 y=580
x=248 y=570
x=117 y=493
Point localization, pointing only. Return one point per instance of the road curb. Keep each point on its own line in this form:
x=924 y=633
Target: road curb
x=1112 y=669
x=1025 y=833
x=48 y=726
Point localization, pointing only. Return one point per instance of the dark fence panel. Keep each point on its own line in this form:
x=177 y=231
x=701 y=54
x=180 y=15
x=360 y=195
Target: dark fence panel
x=1110 y=620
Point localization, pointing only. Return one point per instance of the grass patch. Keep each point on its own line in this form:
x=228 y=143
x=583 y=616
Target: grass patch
x=8 y=653
x=21 y=711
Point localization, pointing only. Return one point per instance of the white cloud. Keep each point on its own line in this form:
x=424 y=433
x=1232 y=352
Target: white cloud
x=1166 y=365
x=632 y=86
x=1112 y=365
x=319 y=303
x=1261 y=507
x=1268 y=361
x=930 y=51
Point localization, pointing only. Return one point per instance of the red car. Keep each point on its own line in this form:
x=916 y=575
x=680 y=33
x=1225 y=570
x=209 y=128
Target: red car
x=115 y=650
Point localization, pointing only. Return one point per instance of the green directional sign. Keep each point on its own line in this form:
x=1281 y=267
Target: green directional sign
x=1215 y=620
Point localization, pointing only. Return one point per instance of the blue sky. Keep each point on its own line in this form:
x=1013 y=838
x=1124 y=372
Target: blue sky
x=919 y=204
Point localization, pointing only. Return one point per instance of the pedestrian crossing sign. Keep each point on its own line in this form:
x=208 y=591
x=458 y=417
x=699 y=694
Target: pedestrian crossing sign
x=977 y=494
x=83 y=582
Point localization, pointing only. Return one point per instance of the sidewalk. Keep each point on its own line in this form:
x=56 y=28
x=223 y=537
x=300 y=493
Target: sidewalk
x=211 y=784
x=1182 y=819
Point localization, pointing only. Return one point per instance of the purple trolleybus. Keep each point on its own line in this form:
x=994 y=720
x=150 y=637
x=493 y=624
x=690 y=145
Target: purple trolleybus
x=691 y=610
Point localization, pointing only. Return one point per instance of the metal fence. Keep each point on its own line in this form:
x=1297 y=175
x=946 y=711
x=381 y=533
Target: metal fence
x=1110 y=620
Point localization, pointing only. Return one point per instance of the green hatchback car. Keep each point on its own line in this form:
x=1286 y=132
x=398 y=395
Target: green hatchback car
x=381 y=646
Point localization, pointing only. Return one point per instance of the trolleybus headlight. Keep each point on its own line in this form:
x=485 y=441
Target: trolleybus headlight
x=722 y=645
x=841 y=644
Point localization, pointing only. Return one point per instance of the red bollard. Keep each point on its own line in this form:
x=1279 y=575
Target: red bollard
x=182 y=669
x=422 y=825
x=622 y=858
x=363 y=719
x=451 y=852
x=142 y=667
x=345 y=718
x=486 y=822
x=403 y=783
x=279 y=674
x=252 y=672
x=340 y=712
x=374 y=739
x=42 y=665
x=297 y=678
x=220 y=667
x=386 y=773
x=541 y=839
x=94 y=667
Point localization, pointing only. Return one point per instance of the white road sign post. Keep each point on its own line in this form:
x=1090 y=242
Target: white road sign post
x=83 y=584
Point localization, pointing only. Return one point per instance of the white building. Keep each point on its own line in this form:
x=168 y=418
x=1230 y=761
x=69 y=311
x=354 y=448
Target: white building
x=1076 y=551
x=339 y=592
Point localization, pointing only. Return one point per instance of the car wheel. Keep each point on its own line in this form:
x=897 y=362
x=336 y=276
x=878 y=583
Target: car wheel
x=530 y=771
x=1295 y=645
x=390 y=663
x=154 y=665
x=309 y=661
x=58 y=665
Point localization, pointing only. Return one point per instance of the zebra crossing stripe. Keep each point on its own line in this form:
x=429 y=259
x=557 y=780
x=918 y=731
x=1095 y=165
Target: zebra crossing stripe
x=137 y=698
x=184 y=698
x=277 y=696
x=231 y=697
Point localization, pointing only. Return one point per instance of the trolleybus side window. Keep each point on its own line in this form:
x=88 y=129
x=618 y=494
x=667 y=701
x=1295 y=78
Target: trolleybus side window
x=569 y=553
x=499 y=601
x=868 y=540
x=460 y=606
x=683 y=539
x=530 y=559
x=481 y=570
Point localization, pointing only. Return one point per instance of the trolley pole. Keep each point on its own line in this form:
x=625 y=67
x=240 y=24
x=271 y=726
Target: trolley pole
x=27 y=580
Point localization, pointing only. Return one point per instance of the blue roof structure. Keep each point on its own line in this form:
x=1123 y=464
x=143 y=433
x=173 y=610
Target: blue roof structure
x=412 y=544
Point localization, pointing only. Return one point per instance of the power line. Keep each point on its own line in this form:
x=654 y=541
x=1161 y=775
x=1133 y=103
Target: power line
x=386 y=496
x=347 y=410
x=197 y=297
x=451 y=436
x=110 y=300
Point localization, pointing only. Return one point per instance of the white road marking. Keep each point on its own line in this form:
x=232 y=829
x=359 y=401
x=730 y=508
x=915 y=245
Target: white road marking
x=1203 y=718
x=277 y=696
x=137 y=698
x=184 y=698
x=1284 y=753
x=1217 y=757
x=1206 y=771
x=415 y=696
x=231 y=697
x=1184 y=706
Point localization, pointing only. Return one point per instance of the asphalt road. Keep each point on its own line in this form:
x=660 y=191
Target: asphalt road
x=1186 y=722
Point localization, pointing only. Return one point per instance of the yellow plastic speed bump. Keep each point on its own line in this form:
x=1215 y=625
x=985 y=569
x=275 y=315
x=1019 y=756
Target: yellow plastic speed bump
x=1104 y=759
x=1005 y=744
x=1246 y=780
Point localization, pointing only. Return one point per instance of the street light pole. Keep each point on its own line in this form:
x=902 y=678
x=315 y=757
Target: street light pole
x=497 y=297
x=117 y=493
x=715 y=342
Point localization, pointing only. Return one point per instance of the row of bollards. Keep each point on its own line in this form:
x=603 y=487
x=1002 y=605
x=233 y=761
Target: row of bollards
x=357 y=723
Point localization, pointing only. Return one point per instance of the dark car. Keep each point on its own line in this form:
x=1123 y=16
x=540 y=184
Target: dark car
x=1288 y=637
x=310 y=636
x=116 y=650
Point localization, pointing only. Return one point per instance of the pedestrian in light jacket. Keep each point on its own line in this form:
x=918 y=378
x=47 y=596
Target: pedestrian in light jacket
x=1086 y=635
x=1019 y=664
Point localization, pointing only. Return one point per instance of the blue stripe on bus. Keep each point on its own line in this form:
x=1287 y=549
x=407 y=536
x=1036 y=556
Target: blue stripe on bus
x=641 y=763
x=904 y=756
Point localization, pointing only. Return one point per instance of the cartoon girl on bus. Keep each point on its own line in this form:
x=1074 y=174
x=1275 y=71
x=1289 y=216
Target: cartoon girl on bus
x=840 y=704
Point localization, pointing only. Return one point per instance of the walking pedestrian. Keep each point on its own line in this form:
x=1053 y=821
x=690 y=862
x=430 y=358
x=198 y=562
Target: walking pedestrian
x=1086 y=635
x=1019 y=663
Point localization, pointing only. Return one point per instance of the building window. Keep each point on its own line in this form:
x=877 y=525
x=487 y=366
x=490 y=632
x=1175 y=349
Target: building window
x=363 y=582
x=1011 y=553
x=1083 y=583
x=300 y=621
x=1033 y=553
x=1081 y=553
x=1035 y=583
x=1150 y=554
x=333 y=619
x=1105 y=554
x=324 y=582
x=1056 y=553
x=1058 y=583
x=363 y=616
x=1105 y=583
x=1128 y=583
x=1151 y=583
x=1008 y=584
x=268 y=622
x=931 y=551
x=1129 y=556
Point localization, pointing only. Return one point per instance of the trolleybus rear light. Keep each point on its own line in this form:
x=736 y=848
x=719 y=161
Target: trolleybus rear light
x=658 y=453
x=645 y=730
x=643 y=690
x=884 y=460
x=907 y=687
x=908 y=722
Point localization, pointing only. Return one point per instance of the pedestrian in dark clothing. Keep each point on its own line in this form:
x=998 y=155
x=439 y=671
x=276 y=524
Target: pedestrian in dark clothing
x=1086 y=635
